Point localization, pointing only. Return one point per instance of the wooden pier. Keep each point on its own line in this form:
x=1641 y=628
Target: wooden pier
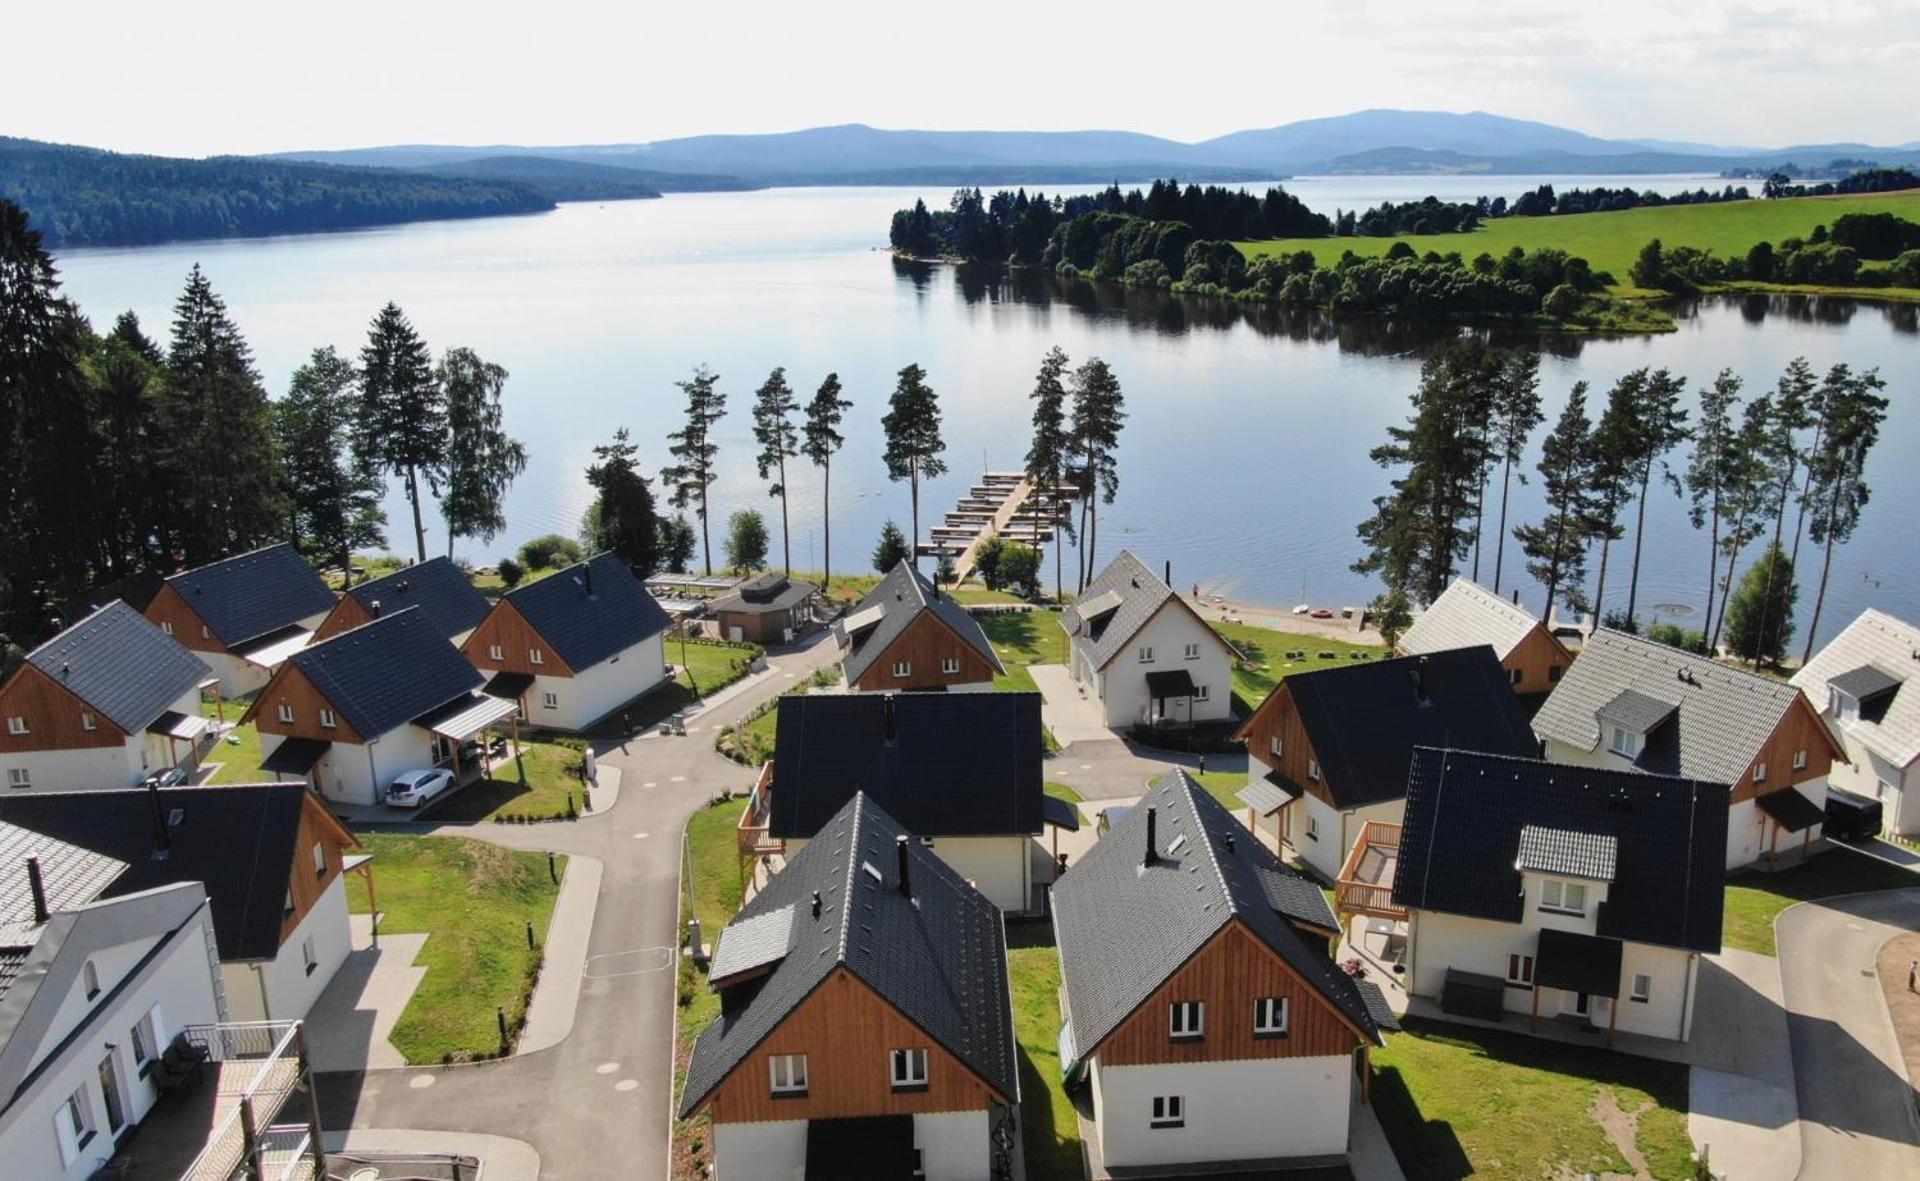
x=1003 y=504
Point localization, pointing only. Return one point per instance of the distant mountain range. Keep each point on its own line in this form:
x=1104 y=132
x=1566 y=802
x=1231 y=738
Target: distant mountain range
x=1373 y=141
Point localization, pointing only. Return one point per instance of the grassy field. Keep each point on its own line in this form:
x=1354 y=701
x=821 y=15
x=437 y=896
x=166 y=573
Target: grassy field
x=1609 y=241
x=1754 y=900
x=549 y=785
x=1458 y=1102
x=714 y=894
x=474 y=901
x=1047 y=1116
x=1023 y=639
x=1267 y=664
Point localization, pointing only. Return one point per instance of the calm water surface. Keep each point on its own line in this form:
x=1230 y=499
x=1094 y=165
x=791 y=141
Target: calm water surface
x=1244 y=459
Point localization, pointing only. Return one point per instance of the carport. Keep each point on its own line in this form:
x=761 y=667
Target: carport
x=466 y=716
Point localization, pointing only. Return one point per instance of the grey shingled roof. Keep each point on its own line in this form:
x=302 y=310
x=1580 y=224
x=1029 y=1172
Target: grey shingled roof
x=943 y=764
x=1124 y=928
x=751 y=943
x=437 y=587
x=255 y=594
x=122 y=665
x=1104 y=631
x=1866 y=681
x=1467 y=614
x=382 y=675
x=899 y=599
x=1636 y=710
x=1460 y=842
x=73 y=876
x=1544 y=849
x=1891 y=646
x=1723 y=717
x=938 y=958
x=590 y=611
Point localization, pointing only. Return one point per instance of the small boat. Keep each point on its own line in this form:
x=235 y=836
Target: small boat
x=1302 y=609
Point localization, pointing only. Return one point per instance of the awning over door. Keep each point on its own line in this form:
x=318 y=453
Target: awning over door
x=1577 y=963
x=511 y=686
x=1163 y=685
x=1791 y=810
x=1269 y=793
x=174 y=724
x=1059 y=813
x=271 y=651
x=295 y=756
x=880 y=1147
x=463 y=717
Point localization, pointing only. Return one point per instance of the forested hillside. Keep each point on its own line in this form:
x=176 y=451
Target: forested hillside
x=87 y=197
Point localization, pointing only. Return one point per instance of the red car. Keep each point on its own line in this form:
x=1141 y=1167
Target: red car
x=1323 y=613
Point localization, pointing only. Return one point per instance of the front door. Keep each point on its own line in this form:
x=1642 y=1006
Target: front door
x=110 y=1091
x=1582 y=1004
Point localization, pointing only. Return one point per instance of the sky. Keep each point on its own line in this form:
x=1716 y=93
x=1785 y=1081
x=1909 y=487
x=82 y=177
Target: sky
x=203 y=77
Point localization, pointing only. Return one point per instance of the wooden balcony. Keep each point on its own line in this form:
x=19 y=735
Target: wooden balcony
x=754 y=818
x=1365 y=884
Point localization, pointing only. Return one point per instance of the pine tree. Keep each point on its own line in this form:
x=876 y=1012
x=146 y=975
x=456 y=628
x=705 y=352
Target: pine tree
x=127 y=368
x=1662 y=427
x=1793 y=412
x=333 y=503
x=212 y=398
x=892 y=549
x=820 y=439
x=773 y=429
x=676 y=543
x=1616 y=450
x=1744 y=491
x=1516 y=413
x=402 y=422
x=1556 y=548
x=482 y=459
x=1418 y=534
x=1711 y=469
x=622 y=518
x=1850 y=416
x=1099 y=413
x=694 y=447
x=1047 y=455
x=914 y=445
x=1760 y=612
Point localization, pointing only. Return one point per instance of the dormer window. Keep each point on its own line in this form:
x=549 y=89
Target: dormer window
x=166 y=625
x=1846 y=707
x=1760 y=771
x=1623 y=741
x=903 y=668
x=1558 y=897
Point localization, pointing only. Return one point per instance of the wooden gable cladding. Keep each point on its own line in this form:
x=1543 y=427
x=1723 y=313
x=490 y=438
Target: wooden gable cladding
x=1534 y=658
x=1228 y=974
x=171 y=613
x=305 y=885
x=53 y=715
x=290 y=686
x=1800 y=729
x=847 y=1032
x=346 y=615
x=1277 y=717
x=505 y=628
x=925 y=643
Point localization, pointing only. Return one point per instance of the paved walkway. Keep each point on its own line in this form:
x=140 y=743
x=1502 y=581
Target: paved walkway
x=1072 y=717
x=1857 y=1109
x=1741 y=1103
x=351 y=1020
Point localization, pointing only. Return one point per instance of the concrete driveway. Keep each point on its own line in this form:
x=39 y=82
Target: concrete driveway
x=1072 y=716
x=1857 y=1109
x=1741 y=1103
x=596 y=1105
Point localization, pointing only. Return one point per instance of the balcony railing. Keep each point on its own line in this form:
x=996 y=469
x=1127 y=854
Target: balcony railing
x=259 y=1067
x=1365 y=884
x=754 y=818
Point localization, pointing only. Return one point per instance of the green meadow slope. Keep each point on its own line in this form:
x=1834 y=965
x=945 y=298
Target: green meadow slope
x=1609 y=241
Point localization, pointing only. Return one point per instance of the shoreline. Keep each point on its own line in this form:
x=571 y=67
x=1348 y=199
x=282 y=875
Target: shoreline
x=1213 y=606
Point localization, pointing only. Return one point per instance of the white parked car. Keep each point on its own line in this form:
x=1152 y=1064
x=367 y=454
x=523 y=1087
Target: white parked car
x=417 y=787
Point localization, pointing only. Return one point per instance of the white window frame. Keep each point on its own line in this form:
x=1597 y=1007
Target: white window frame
x=1760 y=771
x=1313 y=770
x=549 y=699
x=1187 y=1020
x=309 y=956
x=166 y=625
x=1146 y=654
x=1624 y=742
x=1642 y=990
x=19 y=778
x=1192 y=651
x=1168 y=1111
x=319 y=860
x=205 y=633
x=1513 y=677
x=496 y=653
x=1521 y=963
x=1556 y=897
x=1200 y=693
x=17 y=724
x=1313 y=827
x=1799 y=760
x=88 y=722
x=907 y=1069
x=536 y=656
x=787 y=1073
x=74 y=1125
x=1270 y=1016
x=950 y=665
x=903 y=668
x=327 y=719
x=284 y=712
x=145 y=1039
x=1277 y=747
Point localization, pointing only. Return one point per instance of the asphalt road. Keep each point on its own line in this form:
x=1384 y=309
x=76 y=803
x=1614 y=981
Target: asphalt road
x=1858 y=1116
x=596 y=1105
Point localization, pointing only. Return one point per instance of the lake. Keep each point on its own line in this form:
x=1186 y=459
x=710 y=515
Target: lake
x=1244 y=460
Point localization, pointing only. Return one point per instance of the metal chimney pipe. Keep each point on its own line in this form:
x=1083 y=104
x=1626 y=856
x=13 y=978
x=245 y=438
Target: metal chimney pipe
x=38 y=887
x=162 y=839
x=906 y=883
x=1169 y=578
x=1153 y=847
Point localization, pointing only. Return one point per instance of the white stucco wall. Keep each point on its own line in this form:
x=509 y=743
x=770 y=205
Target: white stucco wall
x=238 y=677
x=954 y=1145
x=1337 y=830
x=356 y=773
x=588 y=696
x=774 y=1150
x=281 y=989
x=179 y=983
x=1244 y=1110
x=1870 y=776
x=997 y=866
x=95 y=768
x=1123 y=687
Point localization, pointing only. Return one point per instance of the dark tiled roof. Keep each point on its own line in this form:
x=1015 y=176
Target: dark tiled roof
x=1865 y=681
x=585 y=626
x=1175 y=683
x=1365 y=719
x=899 y=599
x=295 y=756
x=384 y=674
x=1578 y=963
x=1793 y=811
x=239 y=841
x=1567 y=853
x=1105 y=626
x=1461 y=838
x=772 y=591
x=249 y=595
x=1124 y=928
x=122 y=665
x=1723 y=715
x=939 y=958
x=942 y=764
x=441 y=590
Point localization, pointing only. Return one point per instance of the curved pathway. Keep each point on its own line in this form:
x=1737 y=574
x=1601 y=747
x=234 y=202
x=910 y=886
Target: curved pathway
x=1857 y=1111
x=595 y=1105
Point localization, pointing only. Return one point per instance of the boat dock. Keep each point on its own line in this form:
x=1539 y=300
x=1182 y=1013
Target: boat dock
x=1001 y=504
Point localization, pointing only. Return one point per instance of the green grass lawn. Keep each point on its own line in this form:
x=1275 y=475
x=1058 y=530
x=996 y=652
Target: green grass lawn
x=1222 y=786
x=1266 y=664
x=1022 y=639
x=238 y=750
x=848 y=589
x=1609 y=241
x=1458 y=1102
x=488 y=582
x=550 y=785
x=474 y=901
x=1755 y=899
x=1047 y=1116
x=713 y=893
x=707 y=668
